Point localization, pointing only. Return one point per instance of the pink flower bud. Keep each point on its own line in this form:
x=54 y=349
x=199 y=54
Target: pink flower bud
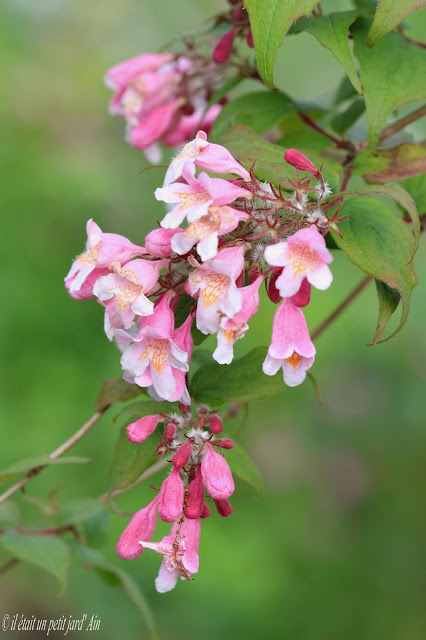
x=170 y=500
x=182 y=455
x=224 y=508
x=273 y=293
x=223 y=49
x=205 y=512
x=158 y=242
x=170 y=431
x=217 y=475
x=141 y=429
x=215 y=423
x=298 y=160
x=223 y=443
x=303 y=296
x=195 y=497
x=140 y=528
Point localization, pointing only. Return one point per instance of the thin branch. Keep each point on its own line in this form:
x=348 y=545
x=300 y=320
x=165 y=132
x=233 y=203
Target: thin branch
x=341 y=144
x=403 y=122
x=57 y=453
x=341 y=308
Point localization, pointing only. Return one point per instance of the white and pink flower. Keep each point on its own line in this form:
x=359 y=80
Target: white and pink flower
x=303 y=255
x=291 y=346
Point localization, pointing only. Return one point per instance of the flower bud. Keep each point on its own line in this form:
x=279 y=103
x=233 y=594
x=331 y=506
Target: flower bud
x=158 y=242
x=216 y=475
x=195 y=497
x=182 y=455
x=223 y=443
x=215 y=423
x=303 y=296
x=140 y=528
x=205 y=512
x=170 y=500
x=298 y=160
x=224 y=508
x=170 y=431
x=249 y=38
x=273 y=293
x=223 y=49
x=141 y=429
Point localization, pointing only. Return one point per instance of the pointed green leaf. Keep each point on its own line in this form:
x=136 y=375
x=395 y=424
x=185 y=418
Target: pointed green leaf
x=416 y=187
x=24 y=466
x=381 y=244
x=268 y=159
x=391 y=76
x=116 y=390
x=243 y=466
x=332 y=32
x=241 y=381
x=130 y=460
x=270 y=20
x=389 y=14
x=260 y=111
x=48 y=552
x=78 y=510
x=388 y=301
x=391 y=164
x=397 y=193
x=345 y=90
x=342 y=121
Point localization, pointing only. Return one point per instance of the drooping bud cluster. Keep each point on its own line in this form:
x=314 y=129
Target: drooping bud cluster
x=221 y=239
x=238 y=18
x=197 y=467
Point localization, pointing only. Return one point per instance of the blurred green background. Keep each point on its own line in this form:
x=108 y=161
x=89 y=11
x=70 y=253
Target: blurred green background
x=335 y=547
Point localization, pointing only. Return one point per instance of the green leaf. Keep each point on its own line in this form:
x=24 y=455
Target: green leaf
x=130 y=460
x=241 y=381
x=390 y=76
x=270 y=20
x=344 y=91
x=138 y=410
x=397 y=193
x=24 y=466
x=377 y=241
x=268 y=159
x=342 y=121
x=332 y=32
x=96 y=529
x=243 y=466
x=389 y=14
x=391 y=164
x=48 y=552
x=388 y=301
x=260 y=111
x=315 y=387
x=79 y=510
x=416 y=187
x=116 y=390
x=9 y=513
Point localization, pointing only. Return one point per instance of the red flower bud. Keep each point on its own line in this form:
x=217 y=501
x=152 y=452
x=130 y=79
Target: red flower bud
x=223 y=49
x=195 y=497
x=298 y=160
x=182 y=455
x=205 y=512
x=224 y=508
x=303 y=296
x=272 y=291
x=170 y=500
x=223 y=443
x=215 y=423
x=170 y=431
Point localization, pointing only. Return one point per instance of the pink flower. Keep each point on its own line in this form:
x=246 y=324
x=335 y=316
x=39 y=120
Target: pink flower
x=128 y=288
x=205 y=231
x=140 y=527
x=303 y=255
x=119 y=76
x=194 y=198
x=291 y=346
x=233 y=329
x=140 y=430
x=187 y=125
x=170 y=500
x=208 y=156
x=216 y=475
x=154 y=125
x=155 y=359
x=218 y=292
x=101 y=250
x=180 y=554
x=158 y=242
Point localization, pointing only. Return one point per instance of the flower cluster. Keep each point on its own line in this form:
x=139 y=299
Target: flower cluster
x=196 y=467
x=165 y=98
x=220 y=240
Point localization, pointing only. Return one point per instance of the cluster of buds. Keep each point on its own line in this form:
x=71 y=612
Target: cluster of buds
x=239 y=234
x=191 y=445
x=165 y=97
x=238 y=18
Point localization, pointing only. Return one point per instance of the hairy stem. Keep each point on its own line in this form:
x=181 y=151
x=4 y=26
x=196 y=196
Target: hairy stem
x=57 y=453
x=342 y=306
x=403 y=122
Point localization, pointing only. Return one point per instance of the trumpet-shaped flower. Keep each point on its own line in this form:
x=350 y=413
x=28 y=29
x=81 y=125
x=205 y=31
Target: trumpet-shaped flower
x=214 y=281
x=291 y=346
x=303 y=255
x=140 y=527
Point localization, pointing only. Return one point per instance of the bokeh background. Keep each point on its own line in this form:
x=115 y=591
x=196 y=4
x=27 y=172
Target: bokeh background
x=334 y=548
